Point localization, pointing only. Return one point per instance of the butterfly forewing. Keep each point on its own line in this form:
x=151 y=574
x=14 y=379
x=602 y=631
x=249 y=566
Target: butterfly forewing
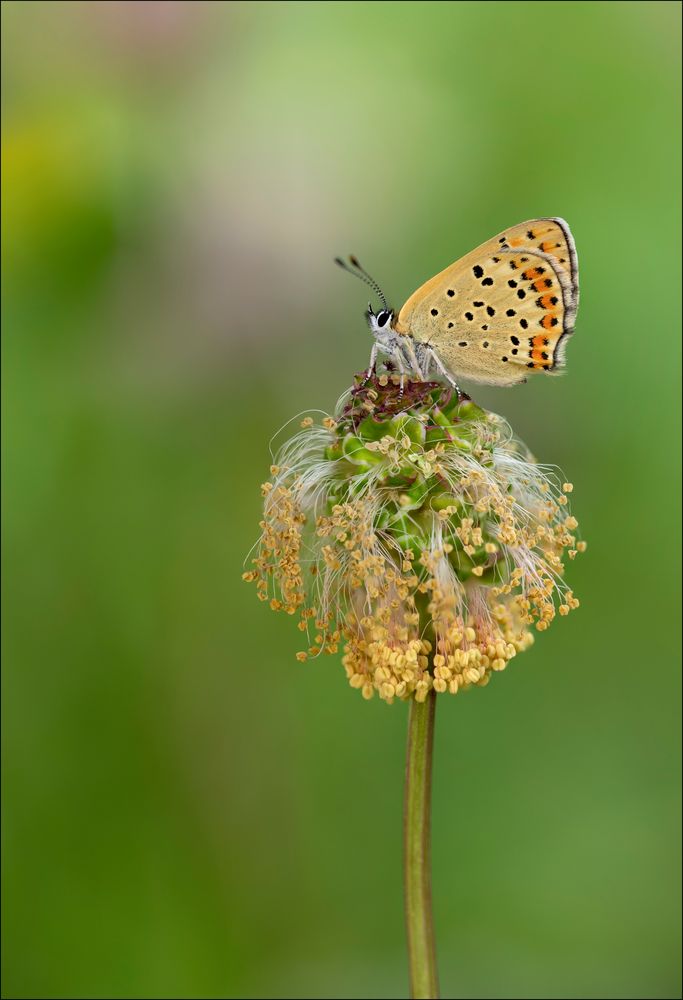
x=504 y=310
x=550 y=236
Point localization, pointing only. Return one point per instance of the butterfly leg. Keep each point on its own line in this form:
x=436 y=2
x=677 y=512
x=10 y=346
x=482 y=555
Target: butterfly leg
x=412 y=356
x=373 y=362
x=426 y=360
x=436 y=360
x=397 y=356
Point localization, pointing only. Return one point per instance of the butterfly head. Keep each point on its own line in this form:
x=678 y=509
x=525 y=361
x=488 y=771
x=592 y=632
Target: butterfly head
x=380 y=322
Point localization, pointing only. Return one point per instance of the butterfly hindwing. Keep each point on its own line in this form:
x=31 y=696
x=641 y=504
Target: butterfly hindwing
x=505 y=309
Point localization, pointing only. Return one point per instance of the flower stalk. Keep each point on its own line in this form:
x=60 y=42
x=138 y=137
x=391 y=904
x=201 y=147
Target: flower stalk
x=424 y=983
x=414 y=531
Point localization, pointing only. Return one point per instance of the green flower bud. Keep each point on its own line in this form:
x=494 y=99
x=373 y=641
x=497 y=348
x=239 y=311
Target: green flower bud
x=416 y=527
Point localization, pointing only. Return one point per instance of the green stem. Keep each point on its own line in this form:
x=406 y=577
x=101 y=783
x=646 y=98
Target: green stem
x=424 y=983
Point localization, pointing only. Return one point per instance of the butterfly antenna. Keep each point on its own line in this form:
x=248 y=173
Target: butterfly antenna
x=359 y=272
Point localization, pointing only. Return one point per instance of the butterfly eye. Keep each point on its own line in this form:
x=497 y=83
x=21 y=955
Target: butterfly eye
x=383 y=317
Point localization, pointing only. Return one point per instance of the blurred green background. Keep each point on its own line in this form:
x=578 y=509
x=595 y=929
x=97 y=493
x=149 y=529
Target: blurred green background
x=188 y=811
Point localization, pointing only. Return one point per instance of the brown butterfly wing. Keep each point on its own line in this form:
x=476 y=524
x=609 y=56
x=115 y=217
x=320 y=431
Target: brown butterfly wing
x=552 y=237
x=505 y=309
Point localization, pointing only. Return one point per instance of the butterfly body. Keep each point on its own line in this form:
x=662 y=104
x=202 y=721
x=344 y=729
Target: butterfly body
x=500 y=313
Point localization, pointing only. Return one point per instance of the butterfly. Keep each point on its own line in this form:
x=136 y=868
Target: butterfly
x=503 y=311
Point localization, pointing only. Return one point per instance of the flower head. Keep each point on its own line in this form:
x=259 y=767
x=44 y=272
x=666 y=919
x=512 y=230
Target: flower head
x=416 y=528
